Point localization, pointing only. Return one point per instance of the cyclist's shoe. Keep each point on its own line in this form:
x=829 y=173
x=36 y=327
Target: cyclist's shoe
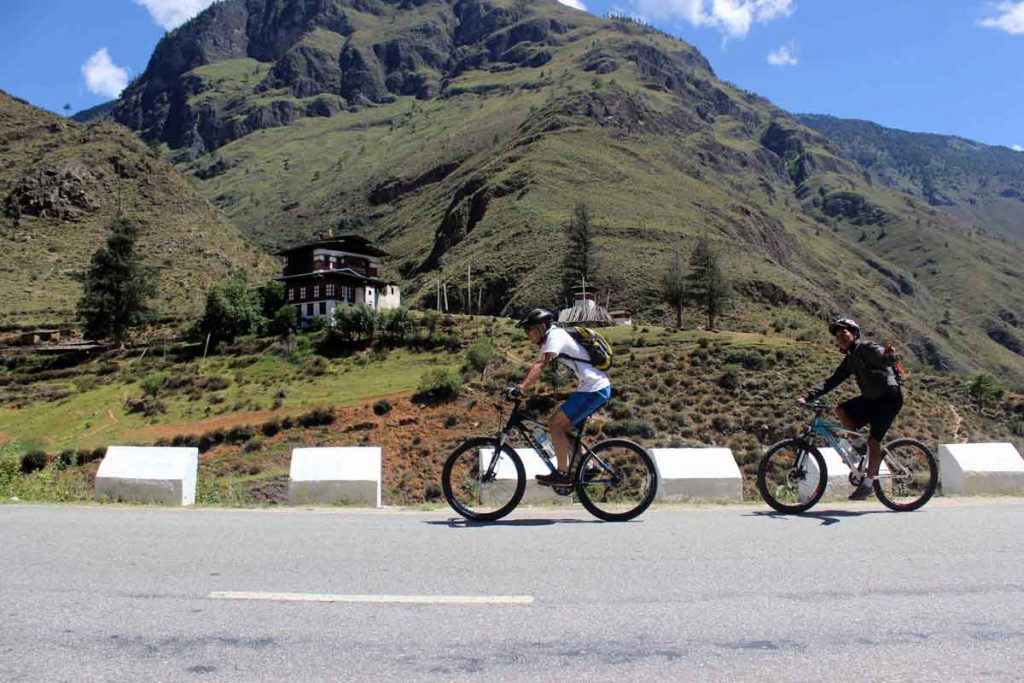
x=862 y=492
x=555 y=479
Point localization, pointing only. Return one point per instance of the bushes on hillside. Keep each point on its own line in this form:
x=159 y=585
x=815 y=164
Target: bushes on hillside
x=33 y=461
x=481 y=354
x=318 y=417
x=382 y=407
x=439 y=384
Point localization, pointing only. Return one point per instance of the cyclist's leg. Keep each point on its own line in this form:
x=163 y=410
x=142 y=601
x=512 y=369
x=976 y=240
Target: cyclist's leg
x=559 y=425
x=884 y=413
x=577 y=408
x=851 y=413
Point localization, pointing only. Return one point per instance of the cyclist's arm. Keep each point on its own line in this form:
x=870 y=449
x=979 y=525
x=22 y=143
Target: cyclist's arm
x=534 y=373
x=822 y=388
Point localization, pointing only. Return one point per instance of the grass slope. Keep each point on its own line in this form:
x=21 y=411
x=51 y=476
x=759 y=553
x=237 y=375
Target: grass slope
x=76 y=174
x=672 y=388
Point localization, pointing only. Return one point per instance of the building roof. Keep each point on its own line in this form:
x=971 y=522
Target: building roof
x=351 y=243
x=346 y=274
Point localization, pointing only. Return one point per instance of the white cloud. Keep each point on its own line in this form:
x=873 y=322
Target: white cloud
x=1010 y=18
x=575 y=4
x=784 y=55
x=102 y=76
x=1017 y=148
x=173 y=13
x=733 y=18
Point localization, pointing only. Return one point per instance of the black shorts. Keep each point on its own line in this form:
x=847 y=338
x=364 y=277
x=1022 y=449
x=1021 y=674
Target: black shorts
x=877 y=412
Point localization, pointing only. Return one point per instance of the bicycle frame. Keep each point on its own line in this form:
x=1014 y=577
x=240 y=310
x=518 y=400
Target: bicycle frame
x=525 y=426
x=827 y=430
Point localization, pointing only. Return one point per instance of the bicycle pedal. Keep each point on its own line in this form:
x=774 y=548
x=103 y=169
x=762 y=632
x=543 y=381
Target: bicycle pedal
x=562 y=490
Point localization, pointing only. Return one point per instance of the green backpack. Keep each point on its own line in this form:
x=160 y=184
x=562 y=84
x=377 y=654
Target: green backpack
x=597 y=347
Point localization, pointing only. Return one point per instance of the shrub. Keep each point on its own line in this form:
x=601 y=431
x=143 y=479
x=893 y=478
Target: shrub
x=482 y=353
x=214 y=383
x=441 y=384
x=185 y=441
x=240 y=434
x=85 y=456
x=633 y=427
x=382 y=407
x=315 y=366
x=451 y=421
x=151 y=385
x=270 y=427
x=252 y=446
x=33 y=461
x=748 y=358
x=730 y=378
x=65 y=460
x=317 y=417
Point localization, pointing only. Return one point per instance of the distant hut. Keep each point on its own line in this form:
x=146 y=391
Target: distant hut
x=585 y=309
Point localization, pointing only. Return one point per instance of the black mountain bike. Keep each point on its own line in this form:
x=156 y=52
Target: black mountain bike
x=484 y=478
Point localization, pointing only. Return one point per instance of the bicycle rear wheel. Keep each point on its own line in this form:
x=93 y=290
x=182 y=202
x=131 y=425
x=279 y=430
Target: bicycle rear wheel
x=912 y=478
x=786 y=476
x=481 y=482
x=618 y=482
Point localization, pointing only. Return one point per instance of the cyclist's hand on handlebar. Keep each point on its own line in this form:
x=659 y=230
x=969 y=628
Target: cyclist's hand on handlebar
x=513 y=394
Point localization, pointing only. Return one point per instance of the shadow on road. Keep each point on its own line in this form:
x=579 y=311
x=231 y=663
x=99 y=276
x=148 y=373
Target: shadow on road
x=459 y=523
x=827 y=517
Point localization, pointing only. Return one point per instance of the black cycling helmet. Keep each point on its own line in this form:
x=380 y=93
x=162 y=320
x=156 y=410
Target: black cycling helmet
x=536 y=317
x=844 y=324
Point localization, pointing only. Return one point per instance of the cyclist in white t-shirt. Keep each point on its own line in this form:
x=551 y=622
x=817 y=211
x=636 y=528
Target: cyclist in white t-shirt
x=593 y=391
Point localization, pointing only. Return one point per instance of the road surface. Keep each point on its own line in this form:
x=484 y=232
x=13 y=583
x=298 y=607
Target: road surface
x=728 y=593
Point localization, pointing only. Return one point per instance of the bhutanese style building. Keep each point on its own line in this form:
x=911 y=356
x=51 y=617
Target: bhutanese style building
x=335 y=271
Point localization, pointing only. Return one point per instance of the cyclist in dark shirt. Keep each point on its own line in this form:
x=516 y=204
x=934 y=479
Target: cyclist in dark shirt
x=881 y=399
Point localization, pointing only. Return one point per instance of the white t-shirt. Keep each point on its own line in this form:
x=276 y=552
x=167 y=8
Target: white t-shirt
x=559 y=341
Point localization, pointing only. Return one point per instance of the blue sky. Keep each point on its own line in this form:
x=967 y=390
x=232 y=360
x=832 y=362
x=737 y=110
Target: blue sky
x=942 y=66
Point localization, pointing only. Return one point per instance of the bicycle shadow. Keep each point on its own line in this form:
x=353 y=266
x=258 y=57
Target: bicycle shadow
x=827 y=517
x=459 y=523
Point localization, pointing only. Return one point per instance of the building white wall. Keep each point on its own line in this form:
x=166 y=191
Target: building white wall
x=388 y=297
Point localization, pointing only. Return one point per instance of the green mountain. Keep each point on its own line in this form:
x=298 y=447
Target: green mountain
x=60 y=186
x=982 y=184
x=460 y=133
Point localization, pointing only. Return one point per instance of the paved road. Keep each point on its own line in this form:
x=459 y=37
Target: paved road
x=717 y=593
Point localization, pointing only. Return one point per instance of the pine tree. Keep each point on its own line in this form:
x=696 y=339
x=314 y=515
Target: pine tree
x=674 y=286
x=581 y=261
x=115 y=287
x=707 y=285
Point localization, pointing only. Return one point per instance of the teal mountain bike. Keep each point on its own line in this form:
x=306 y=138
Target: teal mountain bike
x=792 y=475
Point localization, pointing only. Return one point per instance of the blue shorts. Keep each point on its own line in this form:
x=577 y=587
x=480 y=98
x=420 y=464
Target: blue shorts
x=583 y=404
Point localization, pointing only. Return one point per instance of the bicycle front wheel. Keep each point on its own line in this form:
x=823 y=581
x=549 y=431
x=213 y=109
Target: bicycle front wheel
x=912 y=477
x=482 y=482
x=618 y=481
x=791 y=476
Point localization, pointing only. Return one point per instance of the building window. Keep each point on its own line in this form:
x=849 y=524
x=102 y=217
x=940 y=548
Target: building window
x=291 y=294
x=323 y=308
x=316 y=291
x=330 y=291
x=302 y=292
x=309 y=309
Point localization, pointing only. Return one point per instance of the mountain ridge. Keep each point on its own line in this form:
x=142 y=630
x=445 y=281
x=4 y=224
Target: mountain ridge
x=473 y=155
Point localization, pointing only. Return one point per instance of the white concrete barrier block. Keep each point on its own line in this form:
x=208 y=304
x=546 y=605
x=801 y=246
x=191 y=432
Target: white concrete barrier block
x=148 y=474
x=710 y=473
x=331 y=476
x=968 y=468
x=535 y=494
x=838 y=483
